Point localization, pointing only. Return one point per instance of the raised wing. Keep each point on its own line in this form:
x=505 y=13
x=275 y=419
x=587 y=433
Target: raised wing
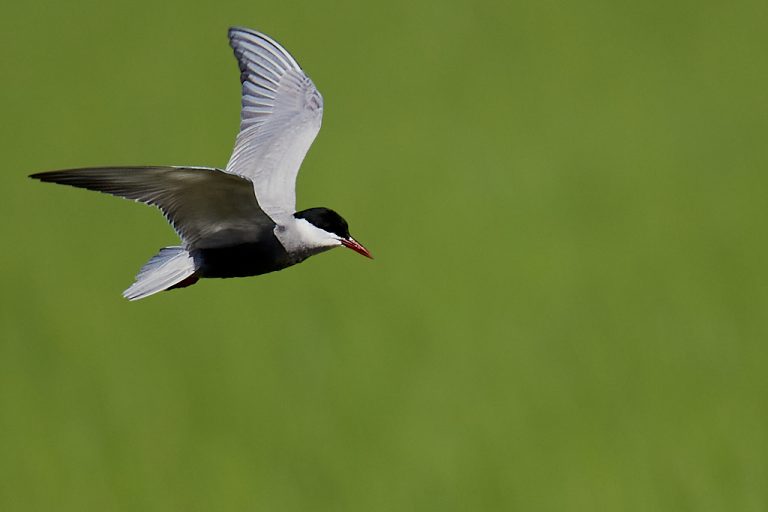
x=280 y=117
x=206 y=207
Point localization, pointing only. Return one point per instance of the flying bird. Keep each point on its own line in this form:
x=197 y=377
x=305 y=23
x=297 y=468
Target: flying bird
x=241 y=220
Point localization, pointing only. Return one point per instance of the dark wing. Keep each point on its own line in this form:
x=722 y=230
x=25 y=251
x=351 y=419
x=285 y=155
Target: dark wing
x=206 y=207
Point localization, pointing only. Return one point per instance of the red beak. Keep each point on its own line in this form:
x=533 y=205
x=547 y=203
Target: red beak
x=355 y=246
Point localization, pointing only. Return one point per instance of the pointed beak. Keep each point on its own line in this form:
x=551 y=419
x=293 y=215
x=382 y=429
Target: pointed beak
x=355 y=246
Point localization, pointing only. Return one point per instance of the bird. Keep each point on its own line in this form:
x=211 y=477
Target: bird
x=241 y=220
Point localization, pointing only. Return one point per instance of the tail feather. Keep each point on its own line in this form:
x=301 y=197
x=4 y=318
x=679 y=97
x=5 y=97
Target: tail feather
x=165 y=270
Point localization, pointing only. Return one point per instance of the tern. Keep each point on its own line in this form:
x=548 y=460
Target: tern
x=241 y=220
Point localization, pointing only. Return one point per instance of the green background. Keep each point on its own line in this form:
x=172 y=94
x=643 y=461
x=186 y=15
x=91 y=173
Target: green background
x=567 y=309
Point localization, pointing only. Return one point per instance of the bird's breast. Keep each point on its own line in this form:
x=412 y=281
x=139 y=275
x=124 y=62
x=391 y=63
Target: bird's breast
x=244 y=259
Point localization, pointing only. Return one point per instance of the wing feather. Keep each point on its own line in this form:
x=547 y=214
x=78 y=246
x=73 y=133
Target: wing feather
x=281 y=115
x=203 y=205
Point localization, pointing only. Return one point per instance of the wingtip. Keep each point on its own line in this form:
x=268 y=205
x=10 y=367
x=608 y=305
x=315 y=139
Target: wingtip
x=237 y=34
x=51 y=176
x=42 y=176
x=235 y=29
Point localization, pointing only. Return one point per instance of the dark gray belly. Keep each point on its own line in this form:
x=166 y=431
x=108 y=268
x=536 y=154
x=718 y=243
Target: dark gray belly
x=247 y=259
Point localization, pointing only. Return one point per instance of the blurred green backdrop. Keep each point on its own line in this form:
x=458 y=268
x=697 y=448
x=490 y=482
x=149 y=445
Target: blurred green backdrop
x=567 y=203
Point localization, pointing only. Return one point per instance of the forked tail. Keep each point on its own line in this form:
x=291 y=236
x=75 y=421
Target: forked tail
x=172 y=267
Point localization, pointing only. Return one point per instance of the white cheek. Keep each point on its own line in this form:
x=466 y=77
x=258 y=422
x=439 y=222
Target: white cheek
x=308 y=235
x=311 y=234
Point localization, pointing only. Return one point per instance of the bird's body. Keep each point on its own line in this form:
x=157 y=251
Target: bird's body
x=238 y=221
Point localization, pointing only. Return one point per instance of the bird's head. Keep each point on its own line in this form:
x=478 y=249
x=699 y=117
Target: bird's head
x=330 y=229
